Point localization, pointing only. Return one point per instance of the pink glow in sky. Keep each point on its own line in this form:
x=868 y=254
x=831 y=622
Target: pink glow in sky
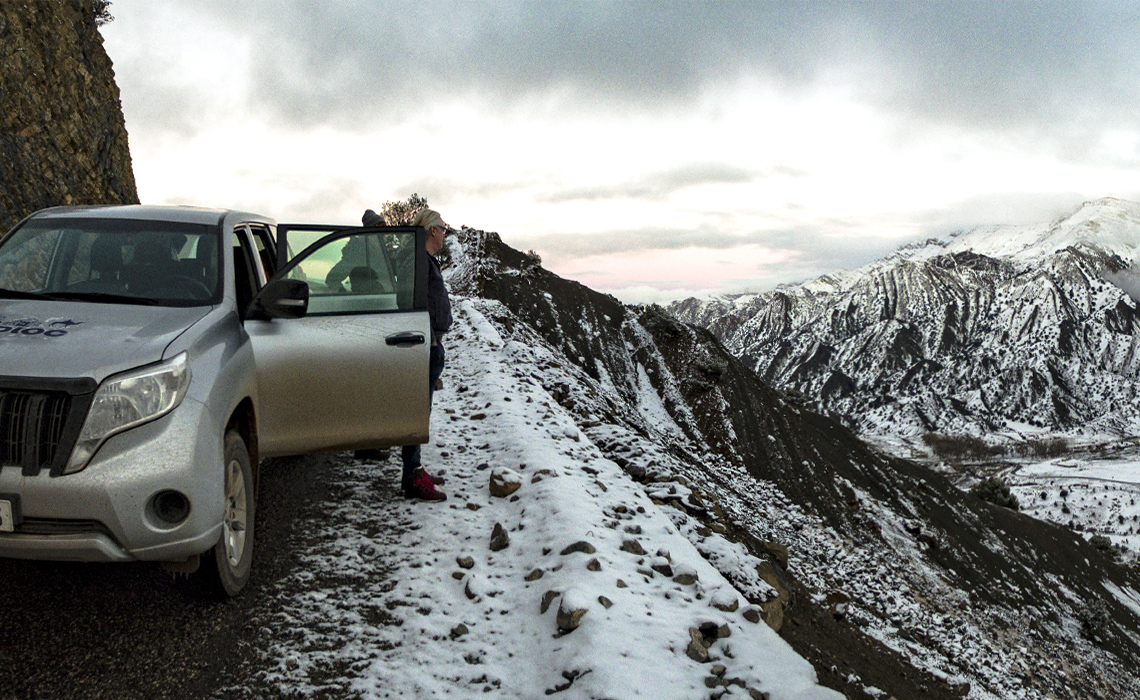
x=671 y=270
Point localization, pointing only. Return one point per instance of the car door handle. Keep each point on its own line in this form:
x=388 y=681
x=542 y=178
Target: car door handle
x=405 y=340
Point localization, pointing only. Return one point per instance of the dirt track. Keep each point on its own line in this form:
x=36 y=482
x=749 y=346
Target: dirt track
x=130 y=631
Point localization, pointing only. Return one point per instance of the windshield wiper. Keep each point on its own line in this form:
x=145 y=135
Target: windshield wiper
x=100 y=297
x=17 y=294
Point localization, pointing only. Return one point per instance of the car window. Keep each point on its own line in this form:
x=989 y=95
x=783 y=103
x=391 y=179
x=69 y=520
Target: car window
x=25 y=258
x=360 y=273
x=166 y=263
x=265 y=250
x=246 y=280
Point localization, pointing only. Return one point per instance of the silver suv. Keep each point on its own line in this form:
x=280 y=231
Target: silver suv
x=150 y=357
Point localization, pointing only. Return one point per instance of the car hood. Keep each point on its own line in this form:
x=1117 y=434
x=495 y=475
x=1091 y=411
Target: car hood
x=58 y=339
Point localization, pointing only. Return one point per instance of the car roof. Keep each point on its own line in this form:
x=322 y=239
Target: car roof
x=143 y=212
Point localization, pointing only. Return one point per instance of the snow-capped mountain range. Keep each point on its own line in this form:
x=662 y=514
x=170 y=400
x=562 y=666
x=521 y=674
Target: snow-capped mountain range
x=1015 y=330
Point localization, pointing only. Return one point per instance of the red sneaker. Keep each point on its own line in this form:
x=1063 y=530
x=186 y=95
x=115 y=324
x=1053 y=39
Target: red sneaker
x=435 y=479
x=424 y=490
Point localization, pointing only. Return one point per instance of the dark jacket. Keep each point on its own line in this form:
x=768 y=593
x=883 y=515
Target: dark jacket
x=439 y=304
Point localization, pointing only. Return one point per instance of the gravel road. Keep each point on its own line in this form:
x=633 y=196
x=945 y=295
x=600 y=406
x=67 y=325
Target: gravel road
x=127 y=631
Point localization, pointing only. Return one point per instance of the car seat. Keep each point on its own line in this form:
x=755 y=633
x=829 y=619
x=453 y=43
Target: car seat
x=153 y=261
x=106 y=260
x=364 y=280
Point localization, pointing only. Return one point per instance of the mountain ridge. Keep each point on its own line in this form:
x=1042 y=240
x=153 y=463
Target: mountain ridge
x=880 y=552
x=1017 y=330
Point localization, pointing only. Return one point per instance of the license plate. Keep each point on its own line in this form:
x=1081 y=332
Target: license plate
x=7 y=517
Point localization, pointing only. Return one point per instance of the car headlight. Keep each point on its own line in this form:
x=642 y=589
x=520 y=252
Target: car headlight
x=129 y=399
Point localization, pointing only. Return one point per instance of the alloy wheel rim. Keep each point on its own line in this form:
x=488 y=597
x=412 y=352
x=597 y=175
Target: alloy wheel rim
x=235 y=517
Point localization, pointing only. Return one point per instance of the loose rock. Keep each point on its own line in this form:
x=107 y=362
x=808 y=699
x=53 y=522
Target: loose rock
x=684 y=574
x=633 y=547
x=773 y=610
x=504 y=482
x=571 y=610
x=661 y=566
x=542 y=474
x=499 y=538
x=697 y=651
x=724 y=599
x=579 y=546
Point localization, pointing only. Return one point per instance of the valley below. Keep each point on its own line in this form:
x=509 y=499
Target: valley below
x=1093 y=492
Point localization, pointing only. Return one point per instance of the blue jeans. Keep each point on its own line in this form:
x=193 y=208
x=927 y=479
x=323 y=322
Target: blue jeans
x=411 y=453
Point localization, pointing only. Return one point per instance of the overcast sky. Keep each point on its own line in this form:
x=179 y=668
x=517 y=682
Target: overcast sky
x=652 y=150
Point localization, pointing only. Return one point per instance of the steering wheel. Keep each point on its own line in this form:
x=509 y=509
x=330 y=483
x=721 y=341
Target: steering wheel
x=200 y=289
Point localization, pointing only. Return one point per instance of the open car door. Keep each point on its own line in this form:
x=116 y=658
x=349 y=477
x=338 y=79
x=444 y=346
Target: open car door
x=353 y=372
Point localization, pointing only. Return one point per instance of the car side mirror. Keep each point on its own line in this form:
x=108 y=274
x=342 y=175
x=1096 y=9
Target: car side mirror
x=281 y=298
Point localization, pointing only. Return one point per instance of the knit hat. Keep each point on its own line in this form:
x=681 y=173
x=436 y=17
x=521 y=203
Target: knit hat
x=371 y=218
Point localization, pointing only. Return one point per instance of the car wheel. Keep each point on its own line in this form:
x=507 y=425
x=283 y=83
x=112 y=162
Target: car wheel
x=228 y=564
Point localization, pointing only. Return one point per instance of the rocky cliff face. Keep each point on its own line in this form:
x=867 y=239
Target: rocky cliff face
x=62 y=135
x=1020 y=330
x=890 y=578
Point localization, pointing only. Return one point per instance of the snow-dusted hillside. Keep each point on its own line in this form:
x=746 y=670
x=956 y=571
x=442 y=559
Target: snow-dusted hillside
x=1020 y=330
x=633 y=514
x=424 y=604
x=687 y=514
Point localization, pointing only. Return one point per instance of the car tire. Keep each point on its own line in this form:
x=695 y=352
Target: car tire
x=227 y=565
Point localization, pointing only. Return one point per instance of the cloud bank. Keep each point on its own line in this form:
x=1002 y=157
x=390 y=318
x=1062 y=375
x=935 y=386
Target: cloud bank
x=809 y=135
x=995 y=65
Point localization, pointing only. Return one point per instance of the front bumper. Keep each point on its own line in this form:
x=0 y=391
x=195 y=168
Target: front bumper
x=105 y=512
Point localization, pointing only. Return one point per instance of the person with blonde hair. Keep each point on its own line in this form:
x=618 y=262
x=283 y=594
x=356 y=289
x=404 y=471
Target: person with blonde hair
x=416 y=482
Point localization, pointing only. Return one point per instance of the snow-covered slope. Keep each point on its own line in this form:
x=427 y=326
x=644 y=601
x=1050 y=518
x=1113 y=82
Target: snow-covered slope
x=425 y=607
x=1011 y=329
x=716 y=541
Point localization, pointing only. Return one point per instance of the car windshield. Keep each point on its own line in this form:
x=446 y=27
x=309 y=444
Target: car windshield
x=113 y=261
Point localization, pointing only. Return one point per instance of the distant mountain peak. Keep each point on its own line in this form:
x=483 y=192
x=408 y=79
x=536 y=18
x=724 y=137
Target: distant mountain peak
x=1110 y=224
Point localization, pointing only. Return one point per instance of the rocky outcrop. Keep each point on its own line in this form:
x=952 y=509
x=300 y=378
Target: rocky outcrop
x=582 y=323
x=62 y=135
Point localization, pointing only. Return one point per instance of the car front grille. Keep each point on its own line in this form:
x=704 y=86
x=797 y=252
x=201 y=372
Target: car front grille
x=31 y=426
x=40 y=421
